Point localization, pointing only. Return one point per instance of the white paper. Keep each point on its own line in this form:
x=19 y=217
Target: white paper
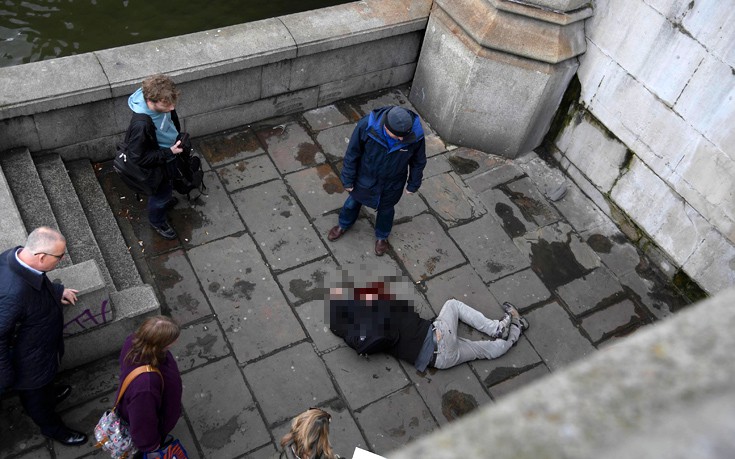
x=364 y=454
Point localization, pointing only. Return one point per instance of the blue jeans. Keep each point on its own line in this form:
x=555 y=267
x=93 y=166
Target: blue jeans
x=157 y=202
x=383 y=221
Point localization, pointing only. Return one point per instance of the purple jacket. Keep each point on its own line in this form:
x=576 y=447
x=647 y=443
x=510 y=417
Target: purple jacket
x=151 y=410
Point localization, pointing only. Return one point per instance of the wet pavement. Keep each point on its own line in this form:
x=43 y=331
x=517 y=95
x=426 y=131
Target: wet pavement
x=244 y=281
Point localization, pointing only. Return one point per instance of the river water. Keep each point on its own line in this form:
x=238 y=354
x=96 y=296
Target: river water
x=44 y=29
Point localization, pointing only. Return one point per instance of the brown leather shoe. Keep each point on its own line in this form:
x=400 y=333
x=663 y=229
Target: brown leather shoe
x=381 y=246
x=335 y=233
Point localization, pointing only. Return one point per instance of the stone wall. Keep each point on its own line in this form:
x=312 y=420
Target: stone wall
x=652 y=137
x=77 y=106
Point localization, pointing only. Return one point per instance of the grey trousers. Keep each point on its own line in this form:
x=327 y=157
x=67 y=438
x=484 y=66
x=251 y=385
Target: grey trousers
x=453 y=350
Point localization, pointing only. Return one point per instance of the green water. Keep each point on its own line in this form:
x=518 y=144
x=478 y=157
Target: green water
x=44 y=29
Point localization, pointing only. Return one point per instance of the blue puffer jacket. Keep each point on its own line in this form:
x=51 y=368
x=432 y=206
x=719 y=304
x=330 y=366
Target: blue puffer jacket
x=31 y=326
x=378 y=172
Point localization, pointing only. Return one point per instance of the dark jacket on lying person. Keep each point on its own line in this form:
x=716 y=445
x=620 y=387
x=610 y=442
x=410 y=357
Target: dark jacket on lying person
x=390 y=326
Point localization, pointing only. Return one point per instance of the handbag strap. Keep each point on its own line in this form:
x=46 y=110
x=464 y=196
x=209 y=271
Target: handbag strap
x=132 y=375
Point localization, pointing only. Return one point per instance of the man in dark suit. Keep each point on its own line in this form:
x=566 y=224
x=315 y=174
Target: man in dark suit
x=31 y=330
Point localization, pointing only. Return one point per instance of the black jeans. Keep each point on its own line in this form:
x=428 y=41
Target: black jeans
x=40 y=405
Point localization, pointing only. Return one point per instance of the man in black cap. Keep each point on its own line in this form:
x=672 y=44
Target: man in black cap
x=386 y=153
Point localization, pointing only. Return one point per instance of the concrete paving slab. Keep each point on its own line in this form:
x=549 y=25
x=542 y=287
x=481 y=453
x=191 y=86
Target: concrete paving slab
x=363 y=380
x=334 y=140
x=591 y=291
x=228 y=146
x=266 y=452
x=555 y=337
x=521 y=357
x=617 y=318
x=494 y=177
x=37 y=453
x=615 y=251
x=507 y=213
x=557 y=254
x=199 y=344
x=464 y=284
x=325 y=117
x=222 y=412
x=90 y=381
x=396 y=420
x=523 y=289
x=513 y=384
x=206 y=218
x=490 y=251
x=449 y=394
x=315 y=317
x=303 y=382
x=18 y=433
x=436 y=165
x=306 y=283
x=661 y=300
x=246 y=299
x=290 y=147
x=408 y=207
x=395 y=96
x=247 y=172
x=184 y=300
x=526 y=196
x=451 y=199
x=434 y=144
x=278 y=225
x=318 y=188
x=356 y=248
x=424 y=248
x=469 y=163
x=83 y=418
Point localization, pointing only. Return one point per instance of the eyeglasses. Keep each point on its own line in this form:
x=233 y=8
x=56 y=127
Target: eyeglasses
x=50 y=254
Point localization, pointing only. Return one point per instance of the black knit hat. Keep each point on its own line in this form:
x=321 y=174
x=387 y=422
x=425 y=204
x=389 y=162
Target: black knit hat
x=399 y=121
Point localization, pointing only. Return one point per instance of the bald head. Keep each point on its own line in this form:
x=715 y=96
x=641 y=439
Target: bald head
x=44 y=239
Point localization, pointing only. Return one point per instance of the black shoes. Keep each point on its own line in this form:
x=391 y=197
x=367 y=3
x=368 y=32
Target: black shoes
x=165 y=231
x=69 y=437
x=171 y=203
x=62 y=392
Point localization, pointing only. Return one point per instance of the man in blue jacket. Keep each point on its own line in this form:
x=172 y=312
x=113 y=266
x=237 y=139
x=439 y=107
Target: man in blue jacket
x=31 y=330
x=386 y=153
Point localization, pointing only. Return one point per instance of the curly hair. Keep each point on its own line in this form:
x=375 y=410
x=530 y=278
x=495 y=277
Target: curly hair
x=151 y=339
x=160 y=88
x=310 y=435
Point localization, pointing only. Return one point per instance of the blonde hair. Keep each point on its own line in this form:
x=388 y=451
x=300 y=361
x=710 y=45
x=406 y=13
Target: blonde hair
x=310 y=435
x=151 y=339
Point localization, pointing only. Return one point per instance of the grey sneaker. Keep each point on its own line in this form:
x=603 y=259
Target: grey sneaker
x=503 y=329
x=516 y=317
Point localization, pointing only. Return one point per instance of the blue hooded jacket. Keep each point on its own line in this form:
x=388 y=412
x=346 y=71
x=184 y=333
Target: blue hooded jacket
x=378 y=168
x=166 y=130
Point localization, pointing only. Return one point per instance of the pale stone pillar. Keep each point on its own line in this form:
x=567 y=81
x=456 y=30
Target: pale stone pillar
x=492 y=73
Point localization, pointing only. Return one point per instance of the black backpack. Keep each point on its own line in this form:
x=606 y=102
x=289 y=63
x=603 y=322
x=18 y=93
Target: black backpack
x=365 y=329
x=126 y=163
x=190 y=176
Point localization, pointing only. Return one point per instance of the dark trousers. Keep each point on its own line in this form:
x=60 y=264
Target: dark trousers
x=383 y=219
x=40 y=405
x=157 y=202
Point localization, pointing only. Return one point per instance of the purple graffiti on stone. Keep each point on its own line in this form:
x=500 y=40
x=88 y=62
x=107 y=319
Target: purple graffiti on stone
x=87 y=319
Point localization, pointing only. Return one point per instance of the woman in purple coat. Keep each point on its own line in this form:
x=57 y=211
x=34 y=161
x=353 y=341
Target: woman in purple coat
x=151 y=404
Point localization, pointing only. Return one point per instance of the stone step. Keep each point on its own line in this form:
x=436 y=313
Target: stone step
x=131 y=307
x=114 y=249
x=80 y=241
x=28 y=192
x=12 y=230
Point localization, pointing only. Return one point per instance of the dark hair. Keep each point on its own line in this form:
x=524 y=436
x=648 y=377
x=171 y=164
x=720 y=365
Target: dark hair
x=310 y=435
x=151 y=339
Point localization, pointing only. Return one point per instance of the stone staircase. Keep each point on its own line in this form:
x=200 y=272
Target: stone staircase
x=113 y=298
